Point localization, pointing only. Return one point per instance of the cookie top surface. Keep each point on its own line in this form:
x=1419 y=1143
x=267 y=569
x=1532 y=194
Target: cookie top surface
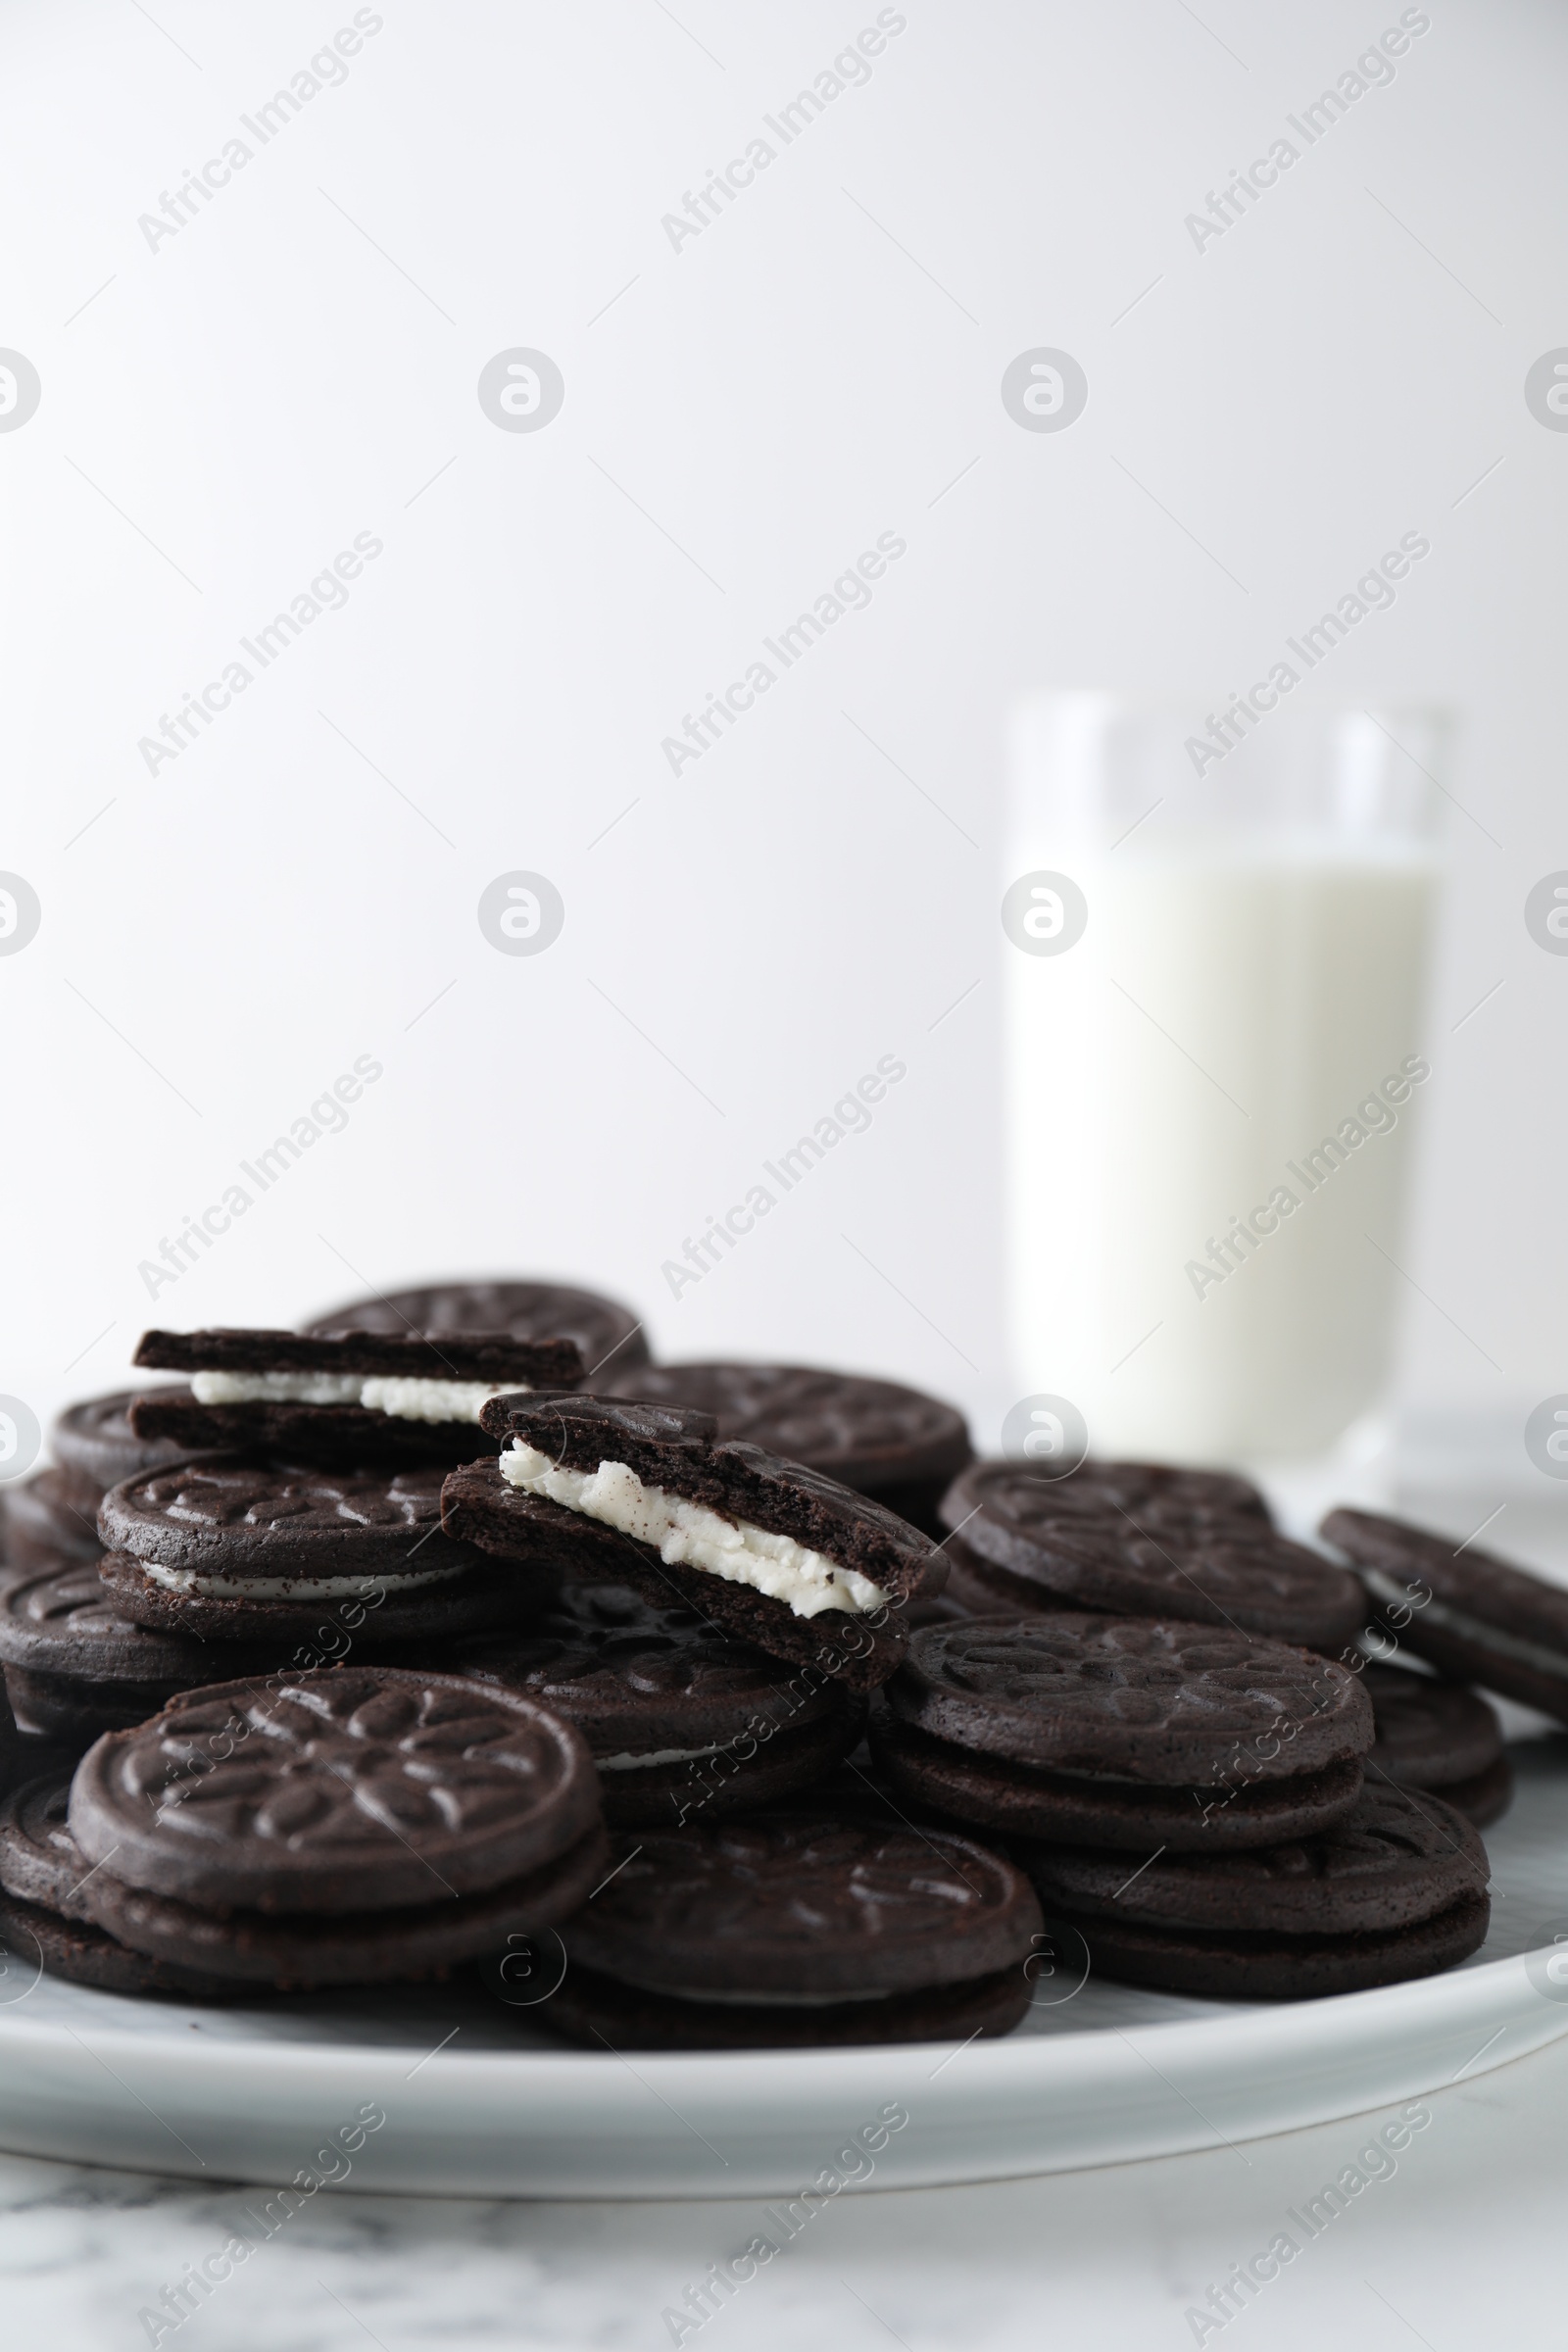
x=634 y=1678
x=495 y=1356
x=804 y=1903
x=348 y=1788
x=1401 y=1561
x=1395 y=1859
x=606 y=1331
x=224 y=1514
x=868 y=1434
x=677 y=1450
x=1015 y=1494
x=1428 y=1731
x=1170 y=1702
x=1168 y=1554
x=60 y=1620
x=95 y=1441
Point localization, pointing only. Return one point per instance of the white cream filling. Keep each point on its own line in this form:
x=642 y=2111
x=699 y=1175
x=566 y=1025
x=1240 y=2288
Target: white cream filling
x=688 y=1535
x=627 y=1762
x=1450 y=1620
x=381 y=1392
x=291 y=1588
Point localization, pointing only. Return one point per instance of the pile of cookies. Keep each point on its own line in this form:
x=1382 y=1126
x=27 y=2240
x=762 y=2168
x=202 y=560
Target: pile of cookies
x=363 y=1654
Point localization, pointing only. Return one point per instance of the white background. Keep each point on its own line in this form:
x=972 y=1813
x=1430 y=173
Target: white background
x=299 y=363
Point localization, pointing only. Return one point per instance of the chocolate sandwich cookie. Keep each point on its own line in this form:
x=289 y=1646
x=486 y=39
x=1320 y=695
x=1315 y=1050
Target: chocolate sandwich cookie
x=1123 y=1732
x=1436 y=1734
x=348 y=1397
x=795 y=1930
x=229 y=1549
x=358 y=1824
x=46 y=1517
x=96 y=1447
x=649 y=1495
x=606 y=1332
x=1473 y=1614
x=1395 y=1890
x=681 y=1720
x=1137 y=1540
x=75 y=1669
x=873 y=1435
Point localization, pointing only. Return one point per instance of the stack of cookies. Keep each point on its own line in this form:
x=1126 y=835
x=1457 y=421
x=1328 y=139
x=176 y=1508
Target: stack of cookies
x=346 y=1826
x=1193 y=1806
x=343 y=1648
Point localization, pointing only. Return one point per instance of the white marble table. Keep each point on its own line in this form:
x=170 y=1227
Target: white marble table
x=1457 y=2248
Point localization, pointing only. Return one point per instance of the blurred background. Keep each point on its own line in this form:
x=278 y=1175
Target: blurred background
x=238 y=385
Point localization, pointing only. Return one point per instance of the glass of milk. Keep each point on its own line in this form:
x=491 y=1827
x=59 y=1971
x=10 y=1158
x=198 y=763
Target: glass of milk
x=1217 y=940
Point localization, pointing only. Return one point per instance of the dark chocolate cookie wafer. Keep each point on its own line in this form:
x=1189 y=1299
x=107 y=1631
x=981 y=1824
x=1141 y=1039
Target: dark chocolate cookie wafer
x=1123 y=1732
x=75 y=1669
x=1475 y=1615
x=1436 y=1734
x=96 y=1447
x=41 y=1862
x=679 y=1719
x=343 y=1398
x=354 y=1825
x=599 y=2012
x=296 y=1953
x=1395 y=1890
x=83 y=1953
x=229 y=1549
x=873 y=1435
x=797 y=1928
x=647 y=1495
x=45 y=1920
x=606 y=1332
x=46 y=1519
x=1182 y=1548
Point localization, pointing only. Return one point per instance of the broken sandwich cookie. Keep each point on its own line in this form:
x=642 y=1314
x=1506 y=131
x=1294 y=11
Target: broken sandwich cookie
x=648 y=1496
x=341 y=1398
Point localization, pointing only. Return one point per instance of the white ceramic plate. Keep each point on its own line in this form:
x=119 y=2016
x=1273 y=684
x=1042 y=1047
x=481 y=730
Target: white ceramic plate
x=477 y=2103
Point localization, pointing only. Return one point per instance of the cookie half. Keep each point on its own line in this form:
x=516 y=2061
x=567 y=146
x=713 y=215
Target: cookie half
x=341 y=1397
x=525 y=1308
x=875 y=1436
x=650 y=1495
